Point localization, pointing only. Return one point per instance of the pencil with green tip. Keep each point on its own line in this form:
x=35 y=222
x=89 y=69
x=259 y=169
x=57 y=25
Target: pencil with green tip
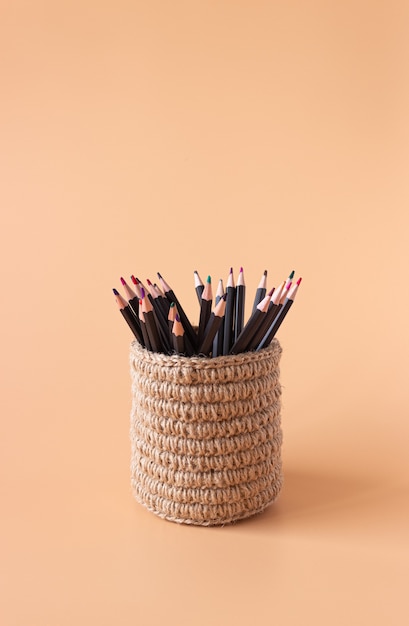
x=205 y=309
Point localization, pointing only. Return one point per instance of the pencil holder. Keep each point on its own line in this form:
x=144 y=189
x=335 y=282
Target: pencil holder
x=206 y=434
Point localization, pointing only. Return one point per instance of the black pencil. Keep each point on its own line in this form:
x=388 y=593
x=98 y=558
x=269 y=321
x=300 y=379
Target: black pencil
x=178 y=336
x=213 y=325
x=131 y=296
x=199 y=286
x=170 y=294
x=229 y=314
x=171 y=316
x=240 y=304
x=260 y=291
x=161 y=316
x=173 y=311
x=158 y=294
x=272 y=311
x=205 y=309
x=129 y=316
x=218 y=339
x=144 y=330
x=151 y=324
x=250 y=329
x=280 y=317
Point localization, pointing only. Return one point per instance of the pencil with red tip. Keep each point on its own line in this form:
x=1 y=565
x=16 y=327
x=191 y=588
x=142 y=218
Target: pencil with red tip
x=136 y=285
x=280 y=317
x=131 y=296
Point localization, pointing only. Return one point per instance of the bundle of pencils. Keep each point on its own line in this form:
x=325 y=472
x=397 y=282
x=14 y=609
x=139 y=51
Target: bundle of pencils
x=159 y=322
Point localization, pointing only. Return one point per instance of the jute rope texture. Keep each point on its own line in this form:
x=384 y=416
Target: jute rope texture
x=206 y=434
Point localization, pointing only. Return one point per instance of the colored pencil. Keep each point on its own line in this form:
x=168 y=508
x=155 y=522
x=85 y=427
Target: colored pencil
x=171 y=316
x=218 y=339
x=265 y=323
x=213 y=325
x=128 y=315
x=159 y=323
x=144 y=330
x=250 y=329
x=170 y=294
x=260 y=291
x=280 y=317
x=158 y=294
x=178 y=336
x=160 y=315
x=285 y=292
x=240 y=304
x=131 y=296
x=136 y=286
x=205 y=309
x=199 y=286
x=289 y=279
x=229 y=314
x=151 y=324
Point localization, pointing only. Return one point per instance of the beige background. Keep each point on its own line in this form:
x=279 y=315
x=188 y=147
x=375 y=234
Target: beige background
x=173 y=136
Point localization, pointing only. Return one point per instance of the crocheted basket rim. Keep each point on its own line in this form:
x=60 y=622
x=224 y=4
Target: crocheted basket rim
x=205 y=362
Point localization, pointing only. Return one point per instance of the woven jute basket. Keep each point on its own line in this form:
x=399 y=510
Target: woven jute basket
x=206 y=434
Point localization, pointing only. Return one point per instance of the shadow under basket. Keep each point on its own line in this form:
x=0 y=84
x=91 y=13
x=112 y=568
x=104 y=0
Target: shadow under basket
x=206 y=434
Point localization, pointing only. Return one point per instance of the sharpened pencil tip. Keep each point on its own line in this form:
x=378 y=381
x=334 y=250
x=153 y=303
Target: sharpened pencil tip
x=209 y=280
x=123 y=281
x=292 y=274
x=299 y=280
x=231 y=270
x=172 y=304
x=265 y=272
x=177 y=318
x=159 y=274
x=148 y=281
x=142 y=292
x=116 y=292
x=241 y=269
